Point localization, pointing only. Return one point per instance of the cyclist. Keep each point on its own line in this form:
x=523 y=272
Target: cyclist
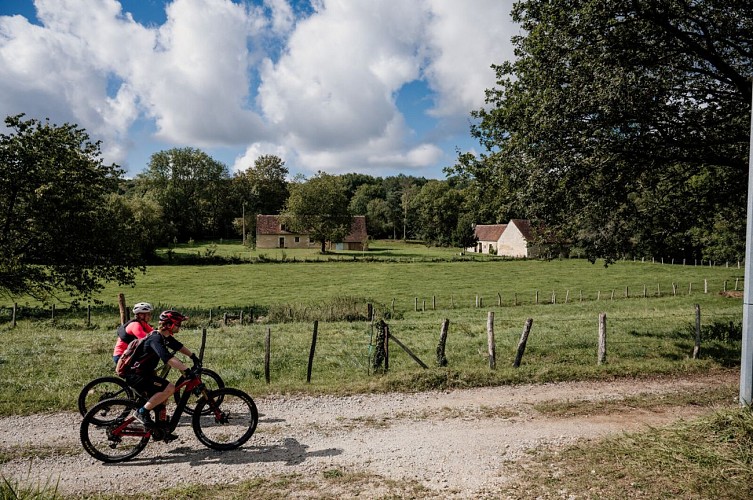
x=141 y=372
x=139 y=328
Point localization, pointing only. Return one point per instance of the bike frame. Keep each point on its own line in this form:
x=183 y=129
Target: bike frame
x=187 y=386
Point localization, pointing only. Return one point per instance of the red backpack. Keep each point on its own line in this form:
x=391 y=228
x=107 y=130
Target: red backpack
x=126 y=359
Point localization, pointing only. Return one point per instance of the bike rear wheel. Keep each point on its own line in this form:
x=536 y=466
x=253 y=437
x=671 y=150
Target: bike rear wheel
x=118 y=438
x=100 y=389
x=211 y=380
x=225 y=419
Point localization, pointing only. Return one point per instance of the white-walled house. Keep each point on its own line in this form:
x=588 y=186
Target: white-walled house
x=509 y=240
x=487 y=236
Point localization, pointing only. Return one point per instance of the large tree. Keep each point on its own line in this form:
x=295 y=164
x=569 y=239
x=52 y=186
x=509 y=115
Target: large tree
x=319 y=207
x=260 y=189
x=622 y=125
x=192 y=189
x=61 y=231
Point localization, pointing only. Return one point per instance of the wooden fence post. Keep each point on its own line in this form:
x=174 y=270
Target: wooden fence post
x=267 y=353
x=602 y=357
x=522 y=343
x=13 y=320
x=499 y=299
x=490 y=340
x=441 y=358
x=311 y=352
x=697 y=347
x=415 y=307
x=705 y=286
x=123 y=309
x=88 y=315
x=386 y=347
x=203 y=344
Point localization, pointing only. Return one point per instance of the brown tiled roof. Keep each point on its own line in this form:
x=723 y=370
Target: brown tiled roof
x=524 y=226
x=489 y=232
x=270 y=224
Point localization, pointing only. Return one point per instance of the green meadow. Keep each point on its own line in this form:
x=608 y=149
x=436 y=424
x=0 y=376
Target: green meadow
x=650 y=310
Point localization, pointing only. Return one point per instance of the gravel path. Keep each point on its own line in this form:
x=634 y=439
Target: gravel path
x=458 y=441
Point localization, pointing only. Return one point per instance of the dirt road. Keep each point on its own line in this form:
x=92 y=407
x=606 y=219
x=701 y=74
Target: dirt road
x=458 y=443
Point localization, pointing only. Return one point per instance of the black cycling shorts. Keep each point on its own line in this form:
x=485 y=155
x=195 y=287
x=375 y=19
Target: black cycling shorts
x=149 y=385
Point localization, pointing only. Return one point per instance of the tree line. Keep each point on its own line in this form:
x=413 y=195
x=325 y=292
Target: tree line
x=190 y=196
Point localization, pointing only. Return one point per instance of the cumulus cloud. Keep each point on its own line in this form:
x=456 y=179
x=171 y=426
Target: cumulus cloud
x=317 y=86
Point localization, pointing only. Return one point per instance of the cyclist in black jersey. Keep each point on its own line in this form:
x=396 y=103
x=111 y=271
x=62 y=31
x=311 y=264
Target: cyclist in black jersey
x=157 y=347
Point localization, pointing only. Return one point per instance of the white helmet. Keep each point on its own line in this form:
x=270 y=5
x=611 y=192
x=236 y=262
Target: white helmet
x=142 y=307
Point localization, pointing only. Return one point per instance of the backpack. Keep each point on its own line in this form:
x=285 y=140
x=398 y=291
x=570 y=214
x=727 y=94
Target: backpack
x=123 y=335
x=126 y=359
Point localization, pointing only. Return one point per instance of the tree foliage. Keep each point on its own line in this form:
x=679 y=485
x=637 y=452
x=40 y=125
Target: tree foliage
x=192 y=189
x=622 y=125
x=260 y=189
x=319 y=207
x=439 y=212
x=60 y=228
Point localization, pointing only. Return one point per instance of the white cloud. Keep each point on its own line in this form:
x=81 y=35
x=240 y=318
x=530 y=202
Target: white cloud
x=463 y=44
x=327 y=83
x=244 y=161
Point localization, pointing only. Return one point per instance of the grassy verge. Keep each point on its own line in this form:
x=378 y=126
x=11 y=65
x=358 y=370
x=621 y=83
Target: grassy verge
x=710 y=457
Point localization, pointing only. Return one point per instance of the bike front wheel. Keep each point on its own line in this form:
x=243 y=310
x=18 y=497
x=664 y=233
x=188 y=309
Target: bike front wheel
x=101 y=389
x=225 y=419
x=211 y=380
x=118 y=438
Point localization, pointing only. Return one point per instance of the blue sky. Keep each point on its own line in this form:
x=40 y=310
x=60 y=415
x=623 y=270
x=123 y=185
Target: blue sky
x=379 y=87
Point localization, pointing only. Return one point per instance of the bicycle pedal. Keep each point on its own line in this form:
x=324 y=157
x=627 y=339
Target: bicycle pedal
x=170 y=437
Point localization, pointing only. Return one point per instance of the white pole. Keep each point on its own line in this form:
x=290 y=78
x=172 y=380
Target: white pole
x=746 y=360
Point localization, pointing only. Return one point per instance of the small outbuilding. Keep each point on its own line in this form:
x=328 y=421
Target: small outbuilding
x=509 y=240
x=271 y=233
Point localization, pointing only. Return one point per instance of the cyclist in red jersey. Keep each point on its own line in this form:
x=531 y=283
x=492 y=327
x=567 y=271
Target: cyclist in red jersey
x=139 y=328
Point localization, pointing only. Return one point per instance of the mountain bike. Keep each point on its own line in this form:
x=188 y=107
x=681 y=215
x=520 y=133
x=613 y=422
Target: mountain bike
x=110 y=387
x=223 y=419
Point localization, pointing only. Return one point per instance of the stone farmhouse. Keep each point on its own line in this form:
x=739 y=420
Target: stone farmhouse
x=509 y=240
x=271 y=233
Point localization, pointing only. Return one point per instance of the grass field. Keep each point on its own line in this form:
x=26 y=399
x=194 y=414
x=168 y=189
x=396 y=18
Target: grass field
x=47 y=361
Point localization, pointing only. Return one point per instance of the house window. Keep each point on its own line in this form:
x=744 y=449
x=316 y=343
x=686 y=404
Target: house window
x=282 y=242
x=297 y=239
